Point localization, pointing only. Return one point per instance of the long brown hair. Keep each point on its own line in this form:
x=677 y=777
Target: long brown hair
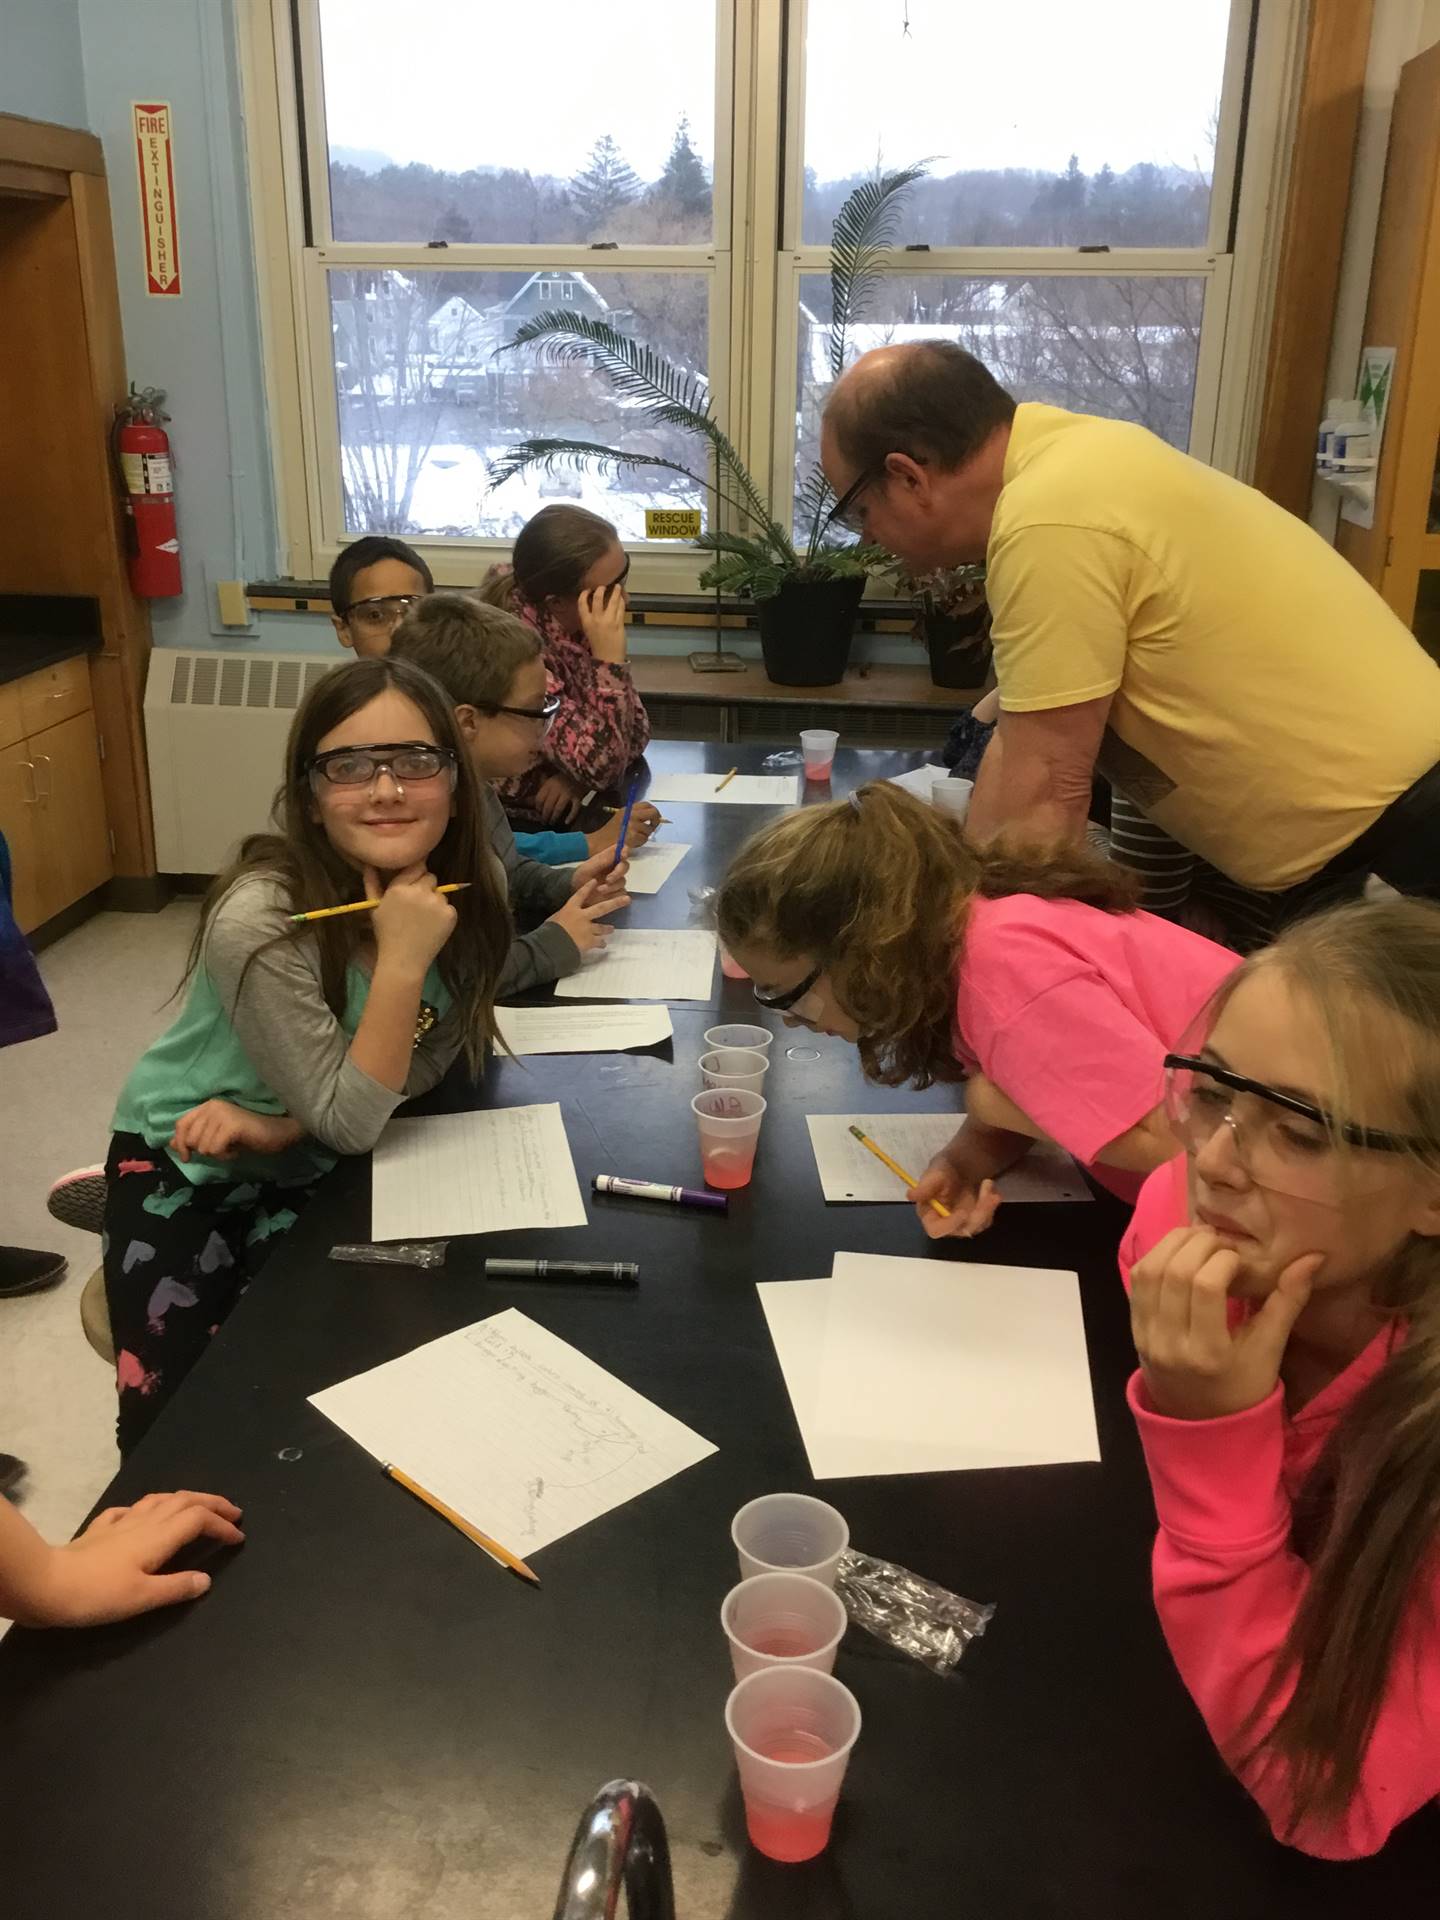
x=876 y=890
x=298 y=854
x=1368 y=1518
x=474 y=651
x=553 y=552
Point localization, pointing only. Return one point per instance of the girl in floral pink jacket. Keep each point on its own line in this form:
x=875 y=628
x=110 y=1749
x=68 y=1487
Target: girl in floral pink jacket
x=567 y=580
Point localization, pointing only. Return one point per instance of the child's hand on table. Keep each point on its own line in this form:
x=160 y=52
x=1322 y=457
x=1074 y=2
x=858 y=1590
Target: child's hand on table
x=110 y=1571
x=972 y=1205
x=645 y=821
x=601 y=870
x=219 y=1130
x=583 y=915
x=557 y=798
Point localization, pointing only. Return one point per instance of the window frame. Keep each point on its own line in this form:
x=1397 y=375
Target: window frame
x=754 y=276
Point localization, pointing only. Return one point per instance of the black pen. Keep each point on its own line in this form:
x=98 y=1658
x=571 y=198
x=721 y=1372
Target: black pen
x=624 y=1273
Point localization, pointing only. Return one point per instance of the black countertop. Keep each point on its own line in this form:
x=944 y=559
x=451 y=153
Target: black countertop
x=39 y=629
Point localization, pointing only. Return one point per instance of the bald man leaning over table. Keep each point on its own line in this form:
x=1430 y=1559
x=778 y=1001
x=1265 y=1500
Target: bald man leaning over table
x=1206 y=650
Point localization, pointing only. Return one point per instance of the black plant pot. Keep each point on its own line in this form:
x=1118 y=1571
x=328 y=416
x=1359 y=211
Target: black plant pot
x=806 y=630
x=958 y=645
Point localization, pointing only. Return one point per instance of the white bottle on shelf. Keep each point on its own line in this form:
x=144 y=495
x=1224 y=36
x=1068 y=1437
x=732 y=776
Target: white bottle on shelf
x=1325 y=441
x=1354 y=441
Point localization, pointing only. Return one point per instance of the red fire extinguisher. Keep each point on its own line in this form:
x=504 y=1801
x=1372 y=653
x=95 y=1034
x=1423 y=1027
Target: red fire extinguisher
x=142 y=451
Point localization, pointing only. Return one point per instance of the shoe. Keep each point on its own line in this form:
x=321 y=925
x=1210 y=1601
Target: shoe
x=12 y=1472
x=78 y=1199
x=23 y=1270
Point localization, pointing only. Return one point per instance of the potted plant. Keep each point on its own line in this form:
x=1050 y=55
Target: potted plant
x=952 y=623
x=807 y=588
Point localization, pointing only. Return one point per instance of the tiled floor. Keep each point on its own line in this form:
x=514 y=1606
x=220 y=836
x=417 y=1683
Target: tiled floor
x=110 y=982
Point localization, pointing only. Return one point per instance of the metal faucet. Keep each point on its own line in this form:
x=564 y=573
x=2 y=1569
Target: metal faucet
x=620 y=1840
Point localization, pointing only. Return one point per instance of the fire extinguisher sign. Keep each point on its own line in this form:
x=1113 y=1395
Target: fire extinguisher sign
x=157 y=196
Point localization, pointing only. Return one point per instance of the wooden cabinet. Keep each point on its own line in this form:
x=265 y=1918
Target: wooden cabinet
x=52 y=797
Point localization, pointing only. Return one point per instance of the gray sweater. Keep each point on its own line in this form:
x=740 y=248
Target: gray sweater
x=535 y=892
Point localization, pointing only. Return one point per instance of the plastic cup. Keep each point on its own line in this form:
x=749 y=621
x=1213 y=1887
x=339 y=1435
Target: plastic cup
x=734 y=1067
x=729 y=1120
x=756 y=1039
x=783 y=1620
x=818 y=746
x=792 y=1730
x=790 y=1533
x=730 y=967
x=952 y=796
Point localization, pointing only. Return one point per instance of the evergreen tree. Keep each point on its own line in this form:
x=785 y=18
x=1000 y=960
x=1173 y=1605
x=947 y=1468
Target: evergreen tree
x=607 y=183
x=684 y=182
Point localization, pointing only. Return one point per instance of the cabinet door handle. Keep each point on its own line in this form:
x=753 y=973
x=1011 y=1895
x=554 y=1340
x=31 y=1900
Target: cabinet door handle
x=49 y=789
x=32 y=798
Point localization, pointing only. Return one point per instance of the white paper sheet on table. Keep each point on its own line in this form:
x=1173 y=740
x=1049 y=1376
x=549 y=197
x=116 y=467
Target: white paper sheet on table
x=522 y=1435
x=582 y=1029
x=474 y=1173
x=652 y=865
x=641 y=963
x=923 y=1366
x=919 y=780
x=849 y=1171
x=745 y=790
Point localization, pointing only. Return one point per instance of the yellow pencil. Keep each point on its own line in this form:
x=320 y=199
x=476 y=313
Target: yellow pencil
x=359 y=906
x=896 y=1168
x=482 y=1540
x=728 y=778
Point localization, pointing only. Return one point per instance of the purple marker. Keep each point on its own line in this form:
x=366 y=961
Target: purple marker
x=652 y=1190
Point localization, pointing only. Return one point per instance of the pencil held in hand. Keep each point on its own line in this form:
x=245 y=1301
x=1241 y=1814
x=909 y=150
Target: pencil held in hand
x=362 y=906
x=896 y=1169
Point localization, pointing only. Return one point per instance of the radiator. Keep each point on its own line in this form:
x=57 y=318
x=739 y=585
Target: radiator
x=215 y=727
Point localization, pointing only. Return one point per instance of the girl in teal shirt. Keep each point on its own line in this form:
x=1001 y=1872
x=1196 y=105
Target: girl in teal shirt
x=297 y=1041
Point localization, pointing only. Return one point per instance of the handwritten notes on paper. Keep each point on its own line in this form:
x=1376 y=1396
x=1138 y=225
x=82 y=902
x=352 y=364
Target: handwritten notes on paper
x=521 y=1434
x=474 y=1173
x=849 y=1171
x=551 y=1029
x=652 y=865
x=643 y=964
x=745 y=790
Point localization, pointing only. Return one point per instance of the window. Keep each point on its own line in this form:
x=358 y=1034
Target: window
x=1075 y=227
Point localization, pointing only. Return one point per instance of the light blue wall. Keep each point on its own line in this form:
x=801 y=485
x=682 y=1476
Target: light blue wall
x=41 y=71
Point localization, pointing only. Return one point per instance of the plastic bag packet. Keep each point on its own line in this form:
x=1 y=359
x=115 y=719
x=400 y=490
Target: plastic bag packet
x=931 y=1624
x=782 y=762
x=402 y=1253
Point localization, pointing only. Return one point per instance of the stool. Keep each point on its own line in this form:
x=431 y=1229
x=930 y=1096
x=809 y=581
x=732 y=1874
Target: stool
x=95 y=1316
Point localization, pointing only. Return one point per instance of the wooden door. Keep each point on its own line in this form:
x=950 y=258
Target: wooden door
x=74 y=836
x=19 y=822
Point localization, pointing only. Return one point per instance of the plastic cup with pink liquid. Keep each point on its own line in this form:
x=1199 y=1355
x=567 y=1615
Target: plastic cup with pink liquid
x=729 y=1122
x=792 y=1729
x=783 y=1619
x=818 y=746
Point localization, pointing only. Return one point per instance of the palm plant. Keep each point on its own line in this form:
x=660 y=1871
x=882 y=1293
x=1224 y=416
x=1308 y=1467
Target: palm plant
x=756 y=555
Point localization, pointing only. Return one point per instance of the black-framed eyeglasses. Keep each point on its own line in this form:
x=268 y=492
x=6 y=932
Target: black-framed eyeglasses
x=847 y=511
x=380 y=610
x=1191 y=1080
x=543 y=715
x=412 y=760
x=791 y=996
x=618 y=581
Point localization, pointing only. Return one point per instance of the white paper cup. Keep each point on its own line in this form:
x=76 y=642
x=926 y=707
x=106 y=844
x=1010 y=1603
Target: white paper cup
x=729 y=1122
x=818 y=746
x=783 y=1620
x=734 y=1067
x=792 y=1730
x=952 y=796
x=757 y=1039
x=789 y=1533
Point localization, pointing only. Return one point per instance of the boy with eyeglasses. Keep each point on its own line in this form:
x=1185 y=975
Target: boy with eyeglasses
x=373 y=584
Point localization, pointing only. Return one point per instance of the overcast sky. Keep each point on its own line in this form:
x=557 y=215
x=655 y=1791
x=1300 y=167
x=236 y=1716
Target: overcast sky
x=1024 y=83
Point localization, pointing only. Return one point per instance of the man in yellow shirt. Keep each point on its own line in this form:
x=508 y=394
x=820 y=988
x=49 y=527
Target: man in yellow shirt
x=1216 y=660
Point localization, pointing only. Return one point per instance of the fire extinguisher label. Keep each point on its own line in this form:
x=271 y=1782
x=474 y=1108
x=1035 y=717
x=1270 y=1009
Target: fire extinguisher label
x=146 y=472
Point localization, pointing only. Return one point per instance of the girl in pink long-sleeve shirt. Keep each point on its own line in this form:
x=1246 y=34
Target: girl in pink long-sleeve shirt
x=567 y=581
x=1285 y=1299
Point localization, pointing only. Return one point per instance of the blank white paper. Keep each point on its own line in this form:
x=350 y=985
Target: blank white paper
x=652 y=865
x=551 y=1029
x=942 y=1364
x=919 y=780
x=849 y=1171
x=646 y=964
x=474 y=1173
x=745 y=790
x=521 y=1434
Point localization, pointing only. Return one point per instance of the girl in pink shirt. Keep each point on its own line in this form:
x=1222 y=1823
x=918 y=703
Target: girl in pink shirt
x=1031 y=979
x=1285 y=1298
x=567 y=581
